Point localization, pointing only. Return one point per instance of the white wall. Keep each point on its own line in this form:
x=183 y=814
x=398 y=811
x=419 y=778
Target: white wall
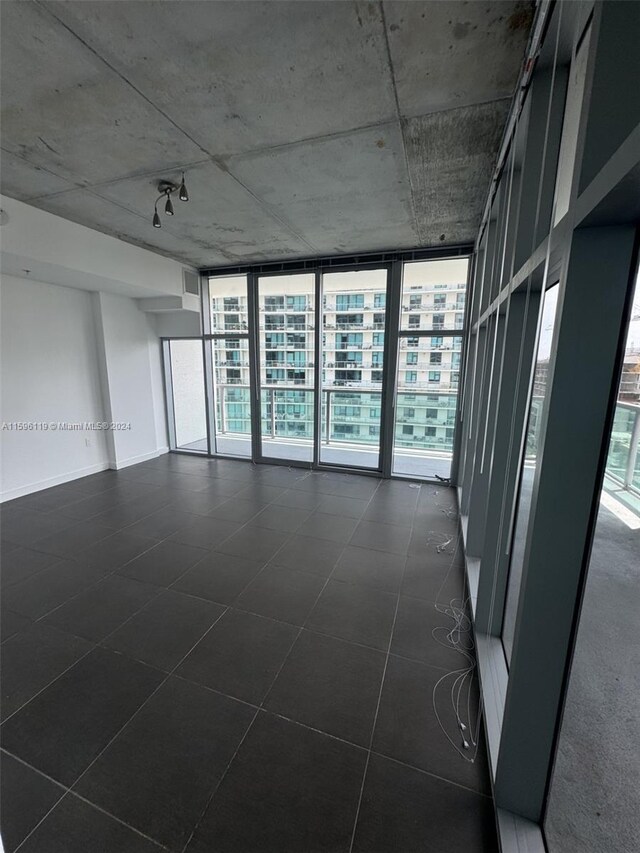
x=48 y=372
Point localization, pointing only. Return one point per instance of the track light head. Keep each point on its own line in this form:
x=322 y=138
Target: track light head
x=156 y=220
x=183 y=195
x=168 y=208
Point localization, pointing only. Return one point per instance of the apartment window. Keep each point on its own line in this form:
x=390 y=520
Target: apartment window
x=377 y=358
x=348 y=301
x=297 y=358
x=437 y=341
x=414 y=321
x=435 y=358
x=374 y=413
x=376 y=376
x=415 y=301
x=374 y=431
x=410 y=376
x=407 y=430
x=273 y=341
x=378 y=339
x=274 y=357
x=346 y=320
x=412 y=358
x=232 y=355
x=297 y=341
x=296 y=376
x=346 y=429
x=274 y=321
x=434 y=376
x=430 y=431
x=439 y=300
x=431 y=414
x=233 y=376
x=379 y=300
x=274 y=303
x=275 y=375
x=352 y=339
x=297 y=303
x=296 y=321
x=343 y=358
x=378 y=321
x=412 y=342
x=438 y=321
x=231 y=303
x=409 y=413
x=342 y=376
x=232 y=321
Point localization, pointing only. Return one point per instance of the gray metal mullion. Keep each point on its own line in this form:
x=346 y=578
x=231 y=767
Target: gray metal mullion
x=253 y=316
x=209 y=395
x=317 y=370
x=390 y=374
x=170 y=411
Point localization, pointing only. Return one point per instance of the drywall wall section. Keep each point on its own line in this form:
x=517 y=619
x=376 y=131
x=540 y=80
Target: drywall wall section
x=50 y=376
x=129 y=351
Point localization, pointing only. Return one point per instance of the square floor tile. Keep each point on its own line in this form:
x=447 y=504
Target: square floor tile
x=206 y=532
x=316 y=556
x=366 y=566
x=238 y=509
x=286 y=519
x=115 y=551
x=12 y=623
x=382 y=537
x=321 y=525
x=27 y=526
x=421 y=630
x=356 y=613
x=288 y=790
x=218 y=577
x=299 y=499
x=281 y=593
x=337 y=505
x=68 y=541
x=164 y=631
x=178 y=746
x=260 y=491
x=33 y=659
x=254 y=543
x=76 y=827
x=407 y=728
x=98 y=611
x=63 y=729
x=240 y=656
x=162 y=523
x=50 y=588
x=330 y=685
x=406 y=810
x=21 y=563
x=429 y=579
x=26 y=798
x=164 y=563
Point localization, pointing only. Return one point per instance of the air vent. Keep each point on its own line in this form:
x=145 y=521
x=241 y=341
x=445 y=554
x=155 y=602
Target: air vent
x=190 y=283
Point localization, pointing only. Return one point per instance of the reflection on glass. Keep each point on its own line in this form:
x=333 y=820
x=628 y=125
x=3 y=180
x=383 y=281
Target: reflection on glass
x=426 y=399
x=232 y=396
x=353 y=333
x=527 y=474
x=433 y=295
x=594 y=804
x=187 y=381
x=287 y=340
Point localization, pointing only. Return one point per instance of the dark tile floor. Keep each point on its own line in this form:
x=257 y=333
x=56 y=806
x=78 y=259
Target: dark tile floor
x=205 y=655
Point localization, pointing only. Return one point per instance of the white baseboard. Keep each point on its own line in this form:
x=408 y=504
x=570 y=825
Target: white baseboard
x=38 y=486
x=135 y=460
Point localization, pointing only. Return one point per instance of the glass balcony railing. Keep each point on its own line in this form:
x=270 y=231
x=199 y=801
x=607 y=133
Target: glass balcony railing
x=623 y=461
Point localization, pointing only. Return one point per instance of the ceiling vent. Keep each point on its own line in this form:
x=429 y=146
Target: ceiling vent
x=190 y=283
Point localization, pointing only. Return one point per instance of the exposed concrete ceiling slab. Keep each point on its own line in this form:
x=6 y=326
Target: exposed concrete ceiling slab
x=325 y=187
x=303 y=127
x=442 y=150
x=454 y=53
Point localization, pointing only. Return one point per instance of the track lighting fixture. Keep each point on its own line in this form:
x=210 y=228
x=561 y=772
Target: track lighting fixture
x=166 y=189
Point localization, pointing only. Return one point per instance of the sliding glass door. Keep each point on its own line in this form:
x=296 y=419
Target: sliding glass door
x=353 y=339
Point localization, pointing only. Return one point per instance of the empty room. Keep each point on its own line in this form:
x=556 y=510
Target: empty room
x=320 y=426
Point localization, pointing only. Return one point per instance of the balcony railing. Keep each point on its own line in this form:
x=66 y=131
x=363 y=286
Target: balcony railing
x=623 y=461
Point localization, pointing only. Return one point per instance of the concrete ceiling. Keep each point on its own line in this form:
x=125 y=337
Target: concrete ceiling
x=304 y=128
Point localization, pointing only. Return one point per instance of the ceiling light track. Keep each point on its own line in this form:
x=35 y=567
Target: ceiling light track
x=166 y=190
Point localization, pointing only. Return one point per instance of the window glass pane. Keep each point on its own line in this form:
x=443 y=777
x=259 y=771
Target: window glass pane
x=228 y=302
x=232 y=396
x=426 y=402
x=594 y=800
x=433 y=294
x=528 y=468
x=189 y=408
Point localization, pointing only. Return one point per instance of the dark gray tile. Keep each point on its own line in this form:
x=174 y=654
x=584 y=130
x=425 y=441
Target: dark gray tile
x=21 y=563
x=68 y=541
x=421 y=633
x=206 y=532
x=286 y=519
x=164 y=563
x=115 y=551
x=281 y=593
x=11 y=623
x=32 y=659
x=259 y=491
x=289 y=789
x=165 y=630
x=162 y=523
x=76 y=827
x=356 y=613
x=26 y=798
x=55 y=498
x=197 y=503
x=406 y=810
x=382 y=537
x=337 y=505
x=50 y=588
x=316 y=556
x=299 y=499
x=179 y=745
x=408 y=730
x=427 y=578
x=125 y=514
x=387 y=510
x=218 y=577
x=88 y=507
x=238 y=509
x=240 y=656
x=23 y=526
x=330 y=685
x=377 y=569
x=98 y=611
x=254 y=543
x=320 y=525
x=95 y=698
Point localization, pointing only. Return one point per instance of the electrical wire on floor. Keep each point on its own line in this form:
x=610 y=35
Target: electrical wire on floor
x=458 y=637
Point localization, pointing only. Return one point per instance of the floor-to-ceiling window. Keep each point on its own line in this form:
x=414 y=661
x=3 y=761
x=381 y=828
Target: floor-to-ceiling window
x=186 y=393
